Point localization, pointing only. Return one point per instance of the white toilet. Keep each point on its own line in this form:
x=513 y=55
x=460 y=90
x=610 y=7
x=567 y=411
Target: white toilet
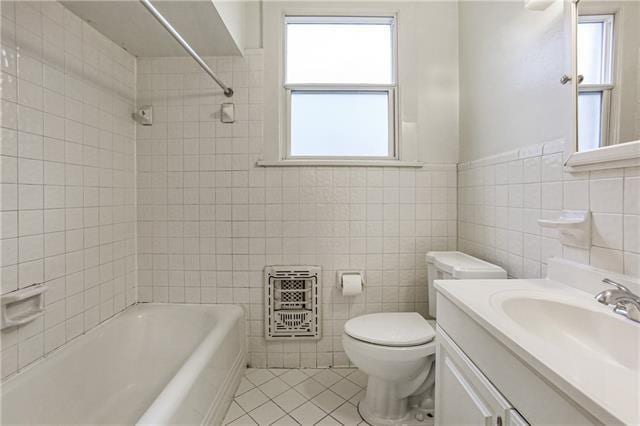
x=397 y=349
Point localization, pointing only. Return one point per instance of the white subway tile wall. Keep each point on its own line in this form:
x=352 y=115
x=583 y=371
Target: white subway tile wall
x=67 y=161
x=209 y=220
x=501 y=198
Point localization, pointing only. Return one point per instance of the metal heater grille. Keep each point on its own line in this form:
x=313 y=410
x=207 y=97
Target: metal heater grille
x=292 y=310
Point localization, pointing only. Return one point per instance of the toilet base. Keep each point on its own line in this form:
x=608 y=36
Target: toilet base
x=388 y=403
x=415 y=416
x=384 y=404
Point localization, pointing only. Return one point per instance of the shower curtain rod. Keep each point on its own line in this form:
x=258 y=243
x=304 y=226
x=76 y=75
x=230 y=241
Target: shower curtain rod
x=228 y=91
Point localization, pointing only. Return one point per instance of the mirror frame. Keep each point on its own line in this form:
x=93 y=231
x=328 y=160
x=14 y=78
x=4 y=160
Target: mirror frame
x=625 y=154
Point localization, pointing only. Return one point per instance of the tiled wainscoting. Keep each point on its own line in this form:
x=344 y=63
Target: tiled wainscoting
x=502 y=197
x=298 y=397
x=67 y=174
x=209 y=220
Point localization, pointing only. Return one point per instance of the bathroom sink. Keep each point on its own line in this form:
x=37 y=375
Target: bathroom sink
x=570 y=327
x=556 y=328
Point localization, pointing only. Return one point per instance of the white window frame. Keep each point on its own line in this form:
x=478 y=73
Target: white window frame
x=389 y=89
x=606 y=89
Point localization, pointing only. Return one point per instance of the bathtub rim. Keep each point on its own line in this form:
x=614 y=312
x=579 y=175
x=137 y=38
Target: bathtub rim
x=217 y=408
x=80 y=337
x=157 y=414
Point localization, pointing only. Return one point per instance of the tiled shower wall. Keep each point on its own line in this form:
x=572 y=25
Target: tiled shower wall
x=502 y=197
x=209 y=220
x=67 y=175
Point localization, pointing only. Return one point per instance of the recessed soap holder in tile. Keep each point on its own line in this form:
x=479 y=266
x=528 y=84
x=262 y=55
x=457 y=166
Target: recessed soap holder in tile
x=573 y=226
x=22 y=306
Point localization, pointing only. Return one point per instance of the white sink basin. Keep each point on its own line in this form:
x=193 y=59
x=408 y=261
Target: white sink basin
x=571 y=327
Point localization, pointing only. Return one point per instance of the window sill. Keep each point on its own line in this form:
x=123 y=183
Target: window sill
x=340 y=163
x=612 y=157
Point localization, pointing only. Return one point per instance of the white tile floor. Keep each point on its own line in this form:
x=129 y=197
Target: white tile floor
x=298 y=397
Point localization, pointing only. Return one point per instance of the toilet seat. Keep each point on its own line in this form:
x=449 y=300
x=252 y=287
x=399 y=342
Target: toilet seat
x=390 y=353
x=395 y=329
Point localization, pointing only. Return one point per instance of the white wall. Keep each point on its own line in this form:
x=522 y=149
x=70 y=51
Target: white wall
x=427 y=71
x=511 y=60
x=502 y=197
x=243 y=20
x=67 y=186
x=629 y=74
x=234 y=16
x=209 y=220
x=253 y=26
x=511 y=104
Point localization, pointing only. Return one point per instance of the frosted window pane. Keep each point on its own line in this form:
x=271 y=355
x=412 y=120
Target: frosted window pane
x=349 y=124
x=590 y=52
x=589 y=113
x=339 y=53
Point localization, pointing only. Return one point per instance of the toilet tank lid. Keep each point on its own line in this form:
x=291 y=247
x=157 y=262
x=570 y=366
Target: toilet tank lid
x=461 y=266
x=391 y=329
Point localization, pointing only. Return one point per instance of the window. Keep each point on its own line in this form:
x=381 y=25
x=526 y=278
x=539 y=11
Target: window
x=340 y=86
x=595 y=65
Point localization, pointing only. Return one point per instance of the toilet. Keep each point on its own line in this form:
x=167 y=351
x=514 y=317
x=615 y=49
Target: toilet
x=397 y=349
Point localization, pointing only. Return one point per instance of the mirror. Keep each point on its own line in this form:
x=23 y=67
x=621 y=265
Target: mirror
x=608 y=59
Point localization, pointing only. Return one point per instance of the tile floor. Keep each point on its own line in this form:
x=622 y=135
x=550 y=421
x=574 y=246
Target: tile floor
x=298 y=397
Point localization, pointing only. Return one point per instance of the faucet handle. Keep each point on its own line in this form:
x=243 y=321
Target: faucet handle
x=604 y=297
x=628 y=308
x=616 y=285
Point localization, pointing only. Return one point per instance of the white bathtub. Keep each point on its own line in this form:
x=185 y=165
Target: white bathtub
x=151 y=364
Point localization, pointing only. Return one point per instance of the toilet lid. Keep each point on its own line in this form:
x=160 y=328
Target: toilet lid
x=391 y=329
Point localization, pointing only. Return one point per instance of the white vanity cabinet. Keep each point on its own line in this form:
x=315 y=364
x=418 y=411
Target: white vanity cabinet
x=480 y=381
x=464 y=396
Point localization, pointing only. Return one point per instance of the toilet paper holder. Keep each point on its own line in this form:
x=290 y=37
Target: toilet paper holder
x=340 y=274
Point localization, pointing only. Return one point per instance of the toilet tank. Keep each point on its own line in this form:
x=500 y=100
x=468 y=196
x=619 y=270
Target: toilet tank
x=455 y=265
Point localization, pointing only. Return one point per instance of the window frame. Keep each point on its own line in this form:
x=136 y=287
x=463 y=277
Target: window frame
x=606 y=89
x=390 y=89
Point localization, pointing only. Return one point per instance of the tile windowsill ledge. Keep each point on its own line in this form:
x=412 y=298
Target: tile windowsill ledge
x=340 y=163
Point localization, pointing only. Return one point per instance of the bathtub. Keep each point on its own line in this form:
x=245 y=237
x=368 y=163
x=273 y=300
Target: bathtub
x=151 y=364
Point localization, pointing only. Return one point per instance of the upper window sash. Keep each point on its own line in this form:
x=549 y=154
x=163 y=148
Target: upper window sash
x=350 y=56
x=605 y=58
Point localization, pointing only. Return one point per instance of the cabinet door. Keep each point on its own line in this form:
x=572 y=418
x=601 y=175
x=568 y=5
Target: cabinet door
x=459 y=403
x=464 y=396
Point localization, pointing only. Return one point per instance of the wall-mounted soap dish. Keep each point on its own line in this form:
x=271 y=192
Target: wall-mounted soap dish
x=22 y=306
x=573 y=226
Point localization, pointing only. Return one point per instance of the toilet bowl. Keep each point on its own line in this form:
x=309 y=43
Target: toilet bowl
x=397 y=352
x=397 y=349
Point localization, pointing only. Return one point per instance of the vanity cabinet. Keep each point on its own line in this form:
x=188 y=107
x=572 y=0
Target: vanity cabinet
x=464 y=396
x=480 y=381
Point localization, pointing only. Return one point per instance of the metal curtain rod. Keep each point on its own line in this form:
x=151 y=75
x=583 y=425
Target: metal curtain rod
x=228 y=91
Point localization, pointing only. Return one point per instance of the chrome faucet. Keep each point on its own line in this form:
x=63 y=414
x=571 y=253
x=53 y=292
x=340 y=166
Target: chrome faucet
x=623 y=300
